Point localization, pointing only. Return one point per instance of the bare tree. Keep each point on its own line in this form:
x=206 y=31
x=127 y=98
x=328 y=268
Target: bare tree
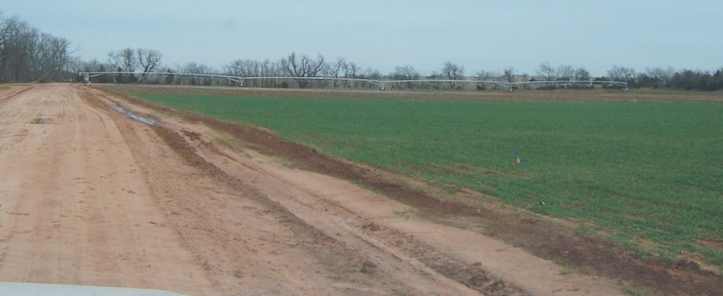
x=18 y=47
x=351 y=70
x=236 y=68
x=659 y=75
x=148 y=59
x=483 y=75
x=10 y=31
x=405 y=72
x=334 y=69
x=125 y=61
x=547 y=71
x=510 y=74
x=486 y=75
x=565 y=72
x=269 y=69
x=303 y=67
x=371 y=73
x=452 y=72
x=618 y=73
x=581 y=74
x=50 y=58
x=74 y=66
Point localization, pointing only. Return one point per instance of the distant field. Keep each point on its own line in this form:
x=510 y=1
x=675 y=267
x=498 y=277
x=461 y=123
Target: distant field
x=642 y=169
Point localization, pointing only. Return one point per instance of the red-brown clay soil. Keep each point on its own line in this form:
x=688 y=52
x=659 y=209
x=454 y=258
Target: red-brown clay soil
x=202 y=207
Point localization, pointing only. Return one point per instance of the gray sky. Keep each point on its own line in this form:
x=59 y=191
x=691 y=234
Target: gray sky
x=481 y=35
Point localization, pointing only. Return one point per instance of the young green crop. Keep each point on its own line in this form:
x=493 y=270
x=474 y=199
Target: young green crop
x=649 y=170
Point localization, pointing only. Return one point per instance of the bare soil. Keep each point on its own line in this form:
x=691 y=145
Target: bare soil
x=204 y=207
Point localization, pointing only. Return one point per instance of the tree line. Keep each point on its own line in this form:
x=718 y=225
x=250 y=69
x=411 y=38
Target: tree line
x=27 y=54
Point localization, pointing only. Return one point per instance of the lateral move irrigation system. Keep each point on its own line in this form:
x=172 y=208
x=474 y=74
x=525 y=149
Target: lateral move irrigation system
x=239 y=80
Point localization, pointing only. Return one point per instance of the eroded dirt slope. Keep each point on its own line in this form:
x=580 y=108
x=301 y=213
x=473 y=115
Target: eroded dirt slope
x=88 y=196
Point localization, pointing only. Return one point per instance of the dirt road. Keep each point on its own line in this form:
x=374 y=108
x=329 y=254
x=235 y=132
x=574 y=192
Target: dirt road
x=91 y=197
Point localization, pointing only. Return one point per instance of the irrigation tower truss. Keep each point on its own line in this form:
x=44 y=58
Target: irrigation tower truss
x=380 y=83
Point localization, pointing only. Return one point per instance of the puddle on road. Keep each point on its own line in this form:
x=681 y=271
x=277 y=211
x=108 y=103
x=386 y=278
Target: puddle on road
x=132 y=115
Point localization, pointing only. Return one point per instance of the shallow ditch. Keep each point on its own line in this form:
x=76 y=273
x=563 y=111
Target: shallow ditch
x=132 y=115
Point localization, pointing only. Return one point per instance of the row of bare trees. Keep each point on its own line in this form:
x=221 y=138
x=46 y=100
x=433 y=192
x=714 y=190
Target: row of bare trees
x=300 y=69
x=128 y=60
x=685 y=79
x=143 y=62
x=562 y=73
x=656 y=77
x=27 y=54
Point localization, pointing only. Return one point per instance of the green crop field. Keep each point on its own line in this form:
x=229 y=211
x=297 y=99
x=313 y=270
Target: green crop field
x=646 y=170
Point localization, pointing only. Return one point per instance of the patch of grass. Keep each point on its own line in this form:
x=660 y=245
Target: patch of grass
x=649 y=170
x=486 y=229
x=37 y=121
x=403 y=213
x=586 y=230
x=566 y=267
x=633 y=291
x=667 y=255
x=288 y=164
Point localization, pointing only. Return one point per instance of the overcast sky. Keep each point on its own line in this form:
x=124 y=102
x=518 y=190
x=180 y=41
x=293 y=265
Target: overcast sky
x=481 y=35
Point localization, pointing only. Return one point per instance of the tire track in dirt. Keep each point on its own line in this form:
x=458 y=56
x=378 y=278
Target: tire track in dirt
x=64 y=214
x=328 y=249
x=382 y=250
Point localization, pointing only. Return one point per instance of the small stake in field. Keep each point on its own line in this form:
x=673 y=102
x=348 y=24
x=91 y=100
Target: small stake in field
x=517 y=157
